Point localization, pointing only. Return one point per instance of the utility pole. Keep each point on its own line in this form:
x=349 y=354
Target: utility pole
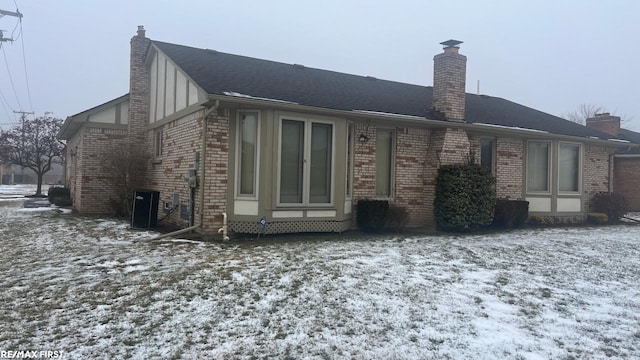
x=8 y=13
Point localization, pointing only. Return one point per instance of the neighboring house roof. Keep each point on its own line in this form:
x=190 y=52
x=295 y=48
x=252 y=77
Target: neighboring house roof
x=220 y=73
x=74 y=122
x=633 y=137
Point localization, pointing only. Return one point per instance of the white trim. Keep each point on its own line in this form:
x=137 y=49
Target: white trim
x=256 y=170
x=569 y=205
x=580 y=168
x=245 y=207
x=549 y=167
x=348 y=204
x=321 y=213
x=306 y=168
x=287 y=214
x=348 y=193
x=539 y=204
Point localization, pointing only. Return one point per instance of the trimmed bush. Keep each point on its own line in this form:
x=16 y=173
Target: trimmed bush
x=597 y=218
x=465 y=197
x=372 y=214
x=377 y=215
x=59 y=196
x=612 y=204
x=397 y=218
x=510 y=213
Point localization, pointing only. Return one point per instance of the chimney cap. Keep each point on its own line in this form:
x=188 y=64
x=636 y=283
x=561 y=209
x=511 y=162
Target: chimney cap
x=451 y=43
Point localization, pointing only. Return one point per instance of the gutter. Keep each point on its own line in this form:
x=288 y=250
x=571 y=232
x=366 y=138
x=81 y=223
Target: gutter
x=400 y=120
x=203 y=158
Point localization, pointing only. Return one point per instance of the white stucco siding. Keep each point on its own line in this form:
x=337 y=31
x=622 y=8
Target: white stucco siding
x=107 y=116
x=124 y=112
x=181 y=90
x=171 y=89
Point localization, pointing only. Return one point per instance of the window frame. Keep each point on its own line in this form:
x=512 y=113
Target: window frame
x=238 y=165
x=350 y=147
x=158 y=139
x=392 y=165
x=306 y=169
x=493 y=141
x=549 y=168
x=580 y=166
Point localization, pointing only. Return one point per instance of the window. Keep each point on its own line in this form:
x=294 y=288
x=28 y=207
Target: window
x=247 y=146
x=538 y=155
x=306 y=162
x=349 y=175
x=157 y=143
x=486 y=153
x=568 y=167
x=384 y=162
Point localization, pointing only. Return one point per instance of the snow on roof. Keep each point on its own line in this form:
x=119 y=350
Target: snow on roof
x=511 y=127
x=237 y=94
x=620 y=140
x=389 y=114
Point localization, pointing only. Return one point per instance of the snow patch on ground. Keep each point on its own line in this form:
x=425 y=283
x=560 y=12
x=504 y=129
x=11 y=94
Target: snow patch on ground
x=89 y=286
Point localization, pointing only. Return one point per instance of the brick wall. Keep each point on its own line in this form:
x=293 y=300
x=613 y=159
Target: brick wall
x=626 y=180
x=139 y=87
x=509 y=168
x=411 y=157
x=449 y=77
x=596 y=171
x=182 y=138
x=93 y=183
x=364 y=163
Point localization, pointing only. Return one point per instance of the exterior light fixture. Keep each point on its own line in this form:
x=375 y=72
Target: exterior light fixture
x=363 y=138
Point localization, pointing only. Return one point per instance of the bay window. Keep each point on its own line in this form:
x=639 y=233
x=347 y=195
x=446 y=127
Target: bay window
x=569 y=167
x=538 y=156
x=247 y=154
x=306 y=162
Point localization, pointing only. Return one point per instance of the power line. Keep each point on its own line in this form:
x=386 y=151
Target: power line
x=24 y=62
x=4 y=53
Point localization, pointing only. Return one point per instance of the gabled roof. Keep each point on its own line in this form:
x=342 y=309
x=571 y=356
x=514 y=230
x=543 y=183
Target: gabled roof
x=220 y=73
x=74 y=122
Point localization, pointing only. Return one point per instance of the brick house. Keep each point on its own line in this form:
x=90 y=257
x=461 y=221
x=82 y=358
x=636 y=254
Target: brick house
x=300 y=146
x=626 y=162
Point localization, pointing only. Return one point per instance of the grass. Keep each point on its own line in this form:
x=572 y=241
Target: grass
x=92 y=288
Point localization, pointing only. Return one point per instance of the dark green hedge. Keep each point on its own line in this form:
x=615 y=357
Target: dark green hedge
x=612 y=204
x=60 y=196
x=511 y=213
x=465 y=197
x=377 y=215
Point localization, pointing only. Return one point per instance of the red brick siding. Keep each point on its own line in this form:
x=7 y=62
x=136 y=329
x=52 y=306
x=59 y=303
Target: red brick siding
x=626 y=180
x=596 y=171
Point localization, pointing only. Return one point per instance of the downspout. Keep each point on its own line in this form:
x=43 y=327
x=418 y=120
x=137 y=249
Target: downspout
x=203 y=159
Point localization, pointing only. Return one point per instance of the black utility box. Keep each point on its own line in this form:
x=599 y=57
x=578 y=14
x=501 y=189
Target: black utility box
x=144 y=214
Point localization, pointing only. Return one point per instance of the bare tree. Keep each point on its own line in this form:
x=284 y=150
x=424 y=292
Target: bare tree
x=126 y=169
x=33 y=145
x=585 y=111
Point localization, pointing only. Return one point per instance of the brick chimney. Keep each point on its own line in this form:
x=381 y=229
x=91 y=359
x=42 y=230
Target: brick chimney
x=138 y=91
x=449 y=76
x=606 y=123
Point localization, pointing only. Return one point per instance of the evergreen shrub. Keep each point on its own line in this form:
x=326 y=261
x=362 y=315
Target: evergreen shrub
x=465 y=197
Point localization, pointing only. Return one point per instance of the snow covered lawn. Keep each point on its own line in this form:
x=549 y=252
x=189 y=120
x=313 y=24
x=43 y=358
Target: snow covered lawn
x=91 y=288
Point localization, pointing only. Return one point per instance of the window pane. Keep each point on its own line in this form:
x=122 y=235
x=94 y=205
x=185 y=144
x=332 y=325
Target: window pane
x=538 y=167
x=320 y=176
x=384 y=144
x=486 y=153
x=248 y=147
x=569 y=162
x=291 y=161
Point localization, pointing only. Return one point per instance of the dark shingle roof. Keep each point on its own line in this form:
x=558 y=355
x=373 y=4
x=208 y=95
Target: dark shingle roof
x=218 y=72
x=633 y=137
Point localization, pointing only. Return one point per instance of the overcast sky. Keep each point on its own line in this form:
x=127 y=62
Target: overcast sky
x=548 y=55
